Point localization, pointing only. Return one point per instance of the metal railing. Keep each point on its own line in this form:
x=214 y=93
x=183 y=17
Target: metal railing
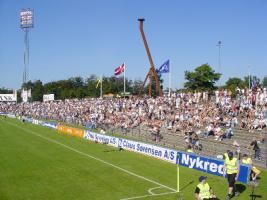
x=171 y=140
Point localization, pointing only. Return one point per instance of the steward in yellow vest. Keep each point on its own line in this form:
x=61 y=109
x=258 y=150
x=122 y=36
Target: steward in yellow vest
x=231 y=168
x=225 y=155
x=254 y=171
x=189 y=149
x=203 y=191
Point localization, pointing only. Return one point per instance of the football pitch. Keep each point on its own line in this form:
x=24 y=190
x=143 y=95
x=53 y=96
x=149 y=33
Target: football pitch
x=40 y=163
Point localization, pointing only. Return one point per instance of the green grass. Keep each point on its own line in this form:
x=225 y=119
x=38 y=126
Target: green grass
x=32 y=167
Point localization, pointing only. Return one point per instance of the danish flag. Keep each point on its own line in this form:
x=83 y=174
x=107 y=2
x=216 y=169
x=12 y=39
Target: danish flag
x=119 y=69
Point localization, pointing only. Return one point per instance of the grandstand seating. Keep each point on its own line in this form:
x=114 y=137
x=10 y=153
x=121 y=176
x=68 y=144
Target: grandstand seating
x=211 y=147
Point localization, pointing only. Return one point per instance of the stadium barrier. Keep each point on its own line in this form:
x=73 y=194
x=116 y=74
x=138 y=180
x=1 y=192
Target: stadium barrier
x=52 y=125
x=209 y=165
x=193 y=161
x=205 y=164
x=28 y=119
x=143 y=148
x=11 y=116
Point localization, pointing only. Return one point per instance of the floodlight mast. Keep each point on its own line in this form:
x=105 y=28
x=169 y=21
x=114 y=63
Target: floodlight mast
x=26 y=23
x=219 y=45
x=152 y=72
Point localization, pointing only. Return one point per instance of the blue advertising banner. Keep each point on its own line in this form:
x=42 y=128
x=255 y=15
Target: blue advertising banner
x=209 y=165
x=27 y=119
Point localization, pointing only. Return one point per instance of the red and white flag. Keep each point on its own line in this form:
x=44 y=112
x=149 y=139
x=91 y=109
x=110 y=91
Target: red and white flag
x=119 y=70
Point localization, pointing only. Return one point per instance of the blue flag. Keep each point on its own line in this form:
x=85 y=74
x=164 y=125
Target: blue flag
x=165 y=67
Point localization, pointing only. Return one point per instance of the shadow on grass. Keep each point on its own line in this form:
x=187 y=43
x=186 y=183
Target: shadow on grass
x=111 y=150
x=185 y=186
x=254 y=196
x=240 y=188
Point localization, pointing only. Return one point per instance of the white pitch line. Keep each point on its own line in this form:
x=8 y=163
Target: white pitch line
x=150 y=190
x=95 y=158
x=149 y=195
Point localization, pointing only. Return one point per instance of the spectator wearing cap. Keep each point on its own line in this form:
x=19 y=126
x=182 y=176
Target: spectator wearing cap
x=203 y=191
x=231 y=169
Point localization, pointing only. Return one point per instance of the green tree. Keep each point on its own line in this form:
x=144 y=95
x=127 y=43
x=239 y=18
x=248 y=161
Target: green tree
x=77 y=87
x=203 y=78
x=91 y=89
x=233 y=83
x=28 y=85
x=37 y=91
x=236 y=82
x=160 y=78
x=137 y=87
x=53 y=88
x=5 y=91
x=264 y=81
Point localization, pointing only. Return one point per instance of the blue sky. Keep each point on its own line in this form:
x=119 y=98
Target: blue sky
x=84 y=37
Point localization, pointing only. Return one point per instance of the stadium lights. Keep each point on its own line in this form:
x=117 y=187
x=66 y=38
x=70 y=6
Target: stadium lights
x=26 y=23
x=26 y=18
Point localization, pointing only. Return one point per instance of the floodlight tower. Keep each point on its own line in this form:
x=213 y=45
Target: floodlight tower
x=219 y=45
x=26 y=23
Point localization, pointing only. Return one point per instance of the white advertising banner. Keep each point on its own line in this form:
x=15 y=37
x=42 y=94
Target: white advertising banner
x=25 y=95
x=48 y=97
x=140 y=147
x=8 y=97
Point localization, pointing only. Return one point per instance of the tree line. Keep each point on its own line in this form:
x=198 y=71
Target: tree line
x=78 y=87
x=202 y=78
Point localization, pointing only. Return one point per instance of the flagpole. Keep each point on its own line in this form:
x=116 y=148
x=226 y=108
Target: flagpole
x=249 y=77
x=101 y=89
x=178 y=178
x=124 y=79
x=178 y=173
x=169 y=82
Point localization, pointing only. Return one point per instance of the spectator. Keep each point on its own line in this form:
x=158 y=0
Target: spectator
x=257 y=151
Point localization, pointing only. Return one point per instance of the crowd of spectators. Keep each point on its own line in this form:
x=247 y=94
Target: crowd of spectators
x=192 y=114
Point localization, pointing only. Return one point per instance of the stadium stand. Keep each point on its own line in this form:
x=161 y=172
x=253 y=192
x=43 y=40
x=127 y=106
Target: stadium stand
x=209 y=126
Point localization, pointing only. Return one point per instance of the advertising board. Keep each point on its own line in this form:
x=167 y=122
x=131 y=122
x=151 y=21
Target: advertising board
x=48 y=97
x=8 y=97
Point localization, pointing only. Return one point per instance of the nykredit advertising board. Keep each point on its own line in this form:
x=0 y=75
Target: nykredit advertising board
x=209 y=165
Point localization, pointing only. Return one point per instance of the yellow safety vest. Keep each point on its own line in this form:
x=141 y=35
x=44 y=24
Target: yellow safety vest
x=204 y=190
x=225 y=155
x=190 y=151
x=247 y=161
x=231 y=166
